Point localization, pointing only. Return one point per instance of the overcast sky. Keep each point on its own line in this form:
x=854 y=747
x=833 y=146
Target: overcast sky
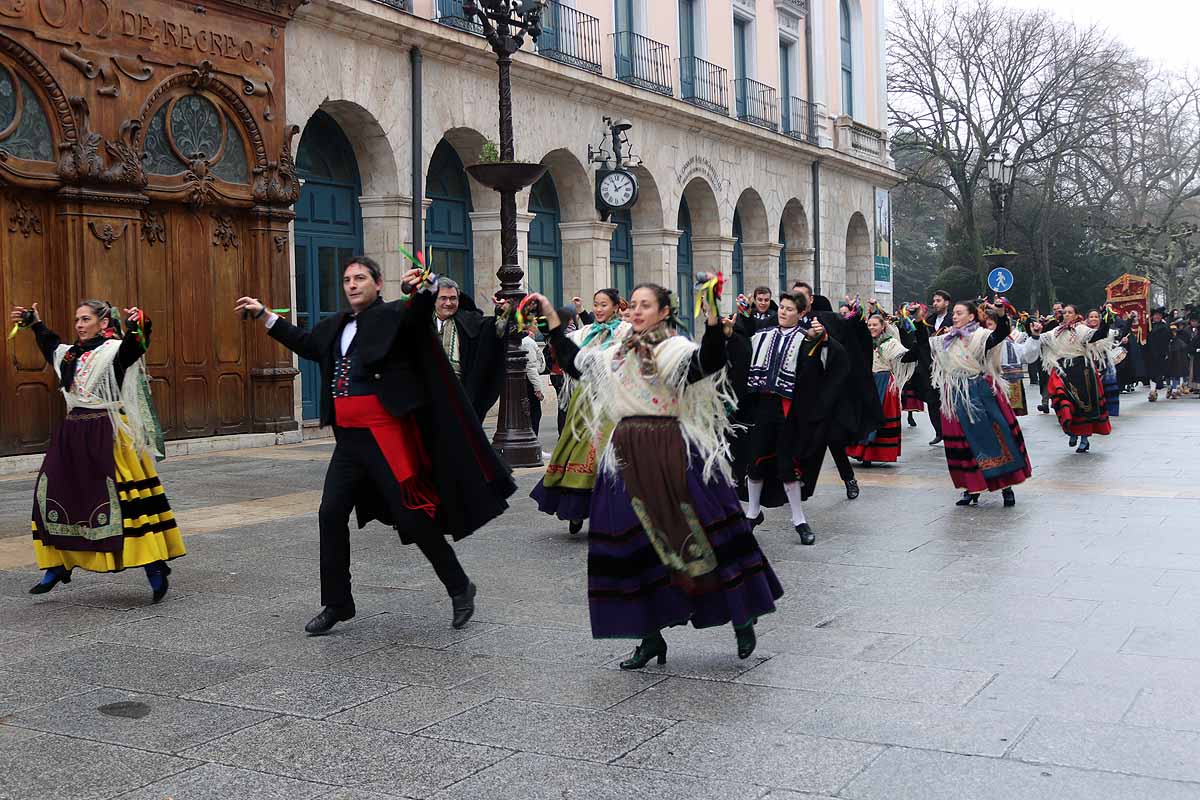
x=1162 y=30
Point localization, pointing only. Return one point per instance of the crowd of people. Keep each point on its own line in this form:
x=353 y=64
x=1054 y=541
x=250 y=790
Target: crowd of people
x=670 y=450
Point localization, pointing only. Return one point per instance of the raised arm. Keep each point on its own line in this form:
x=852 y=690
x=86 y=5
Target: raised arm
x=137 y=338
x=1003 y=328
x=711 y=356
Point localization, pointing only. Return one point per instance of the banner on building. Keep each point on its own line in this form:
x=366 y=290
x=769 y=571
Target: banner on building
x=1131 y=293
x=883 y=242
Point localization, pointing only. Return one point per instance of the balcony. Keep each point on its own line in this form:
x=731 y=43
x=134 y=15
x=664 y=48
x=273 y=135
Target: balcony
x=399 y=5
x=704 y=84
x=450 y=13
x=800 y=119
x=569 y=36
x=643 y=62
x=756 y=103
x=856 y=139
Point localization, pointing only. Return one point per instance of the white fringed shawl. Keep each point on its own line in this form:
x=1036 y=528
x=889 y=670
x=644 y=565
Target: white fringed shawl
x=1065 y=343
x=617 y=389
x=955 y=366
x=1101 y=351
x=887 y=358
x=96 y=386
x=577 y=336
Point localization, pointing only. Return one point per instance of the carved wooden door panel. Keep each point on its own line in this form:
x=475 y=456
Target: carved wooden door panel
x=30 y=405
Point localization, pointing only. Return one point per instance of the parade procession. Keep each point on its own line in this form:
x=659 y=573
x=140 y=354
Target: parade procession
x=520 y=399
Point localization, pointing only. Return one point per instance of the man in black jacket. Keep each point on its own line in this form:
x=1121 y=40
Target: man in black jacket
x=386 y=388
x=1158 y=344
x=473 y=343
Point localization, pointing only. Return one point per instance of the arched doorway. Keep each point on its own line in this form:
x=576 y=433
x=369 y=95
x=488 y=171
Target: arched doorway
x=683 y=266
x=739 y=266
x=545 y=242
x=328 y=234
x=620 y=252
x=860 y=273
x=783 y=265
x=448 y=221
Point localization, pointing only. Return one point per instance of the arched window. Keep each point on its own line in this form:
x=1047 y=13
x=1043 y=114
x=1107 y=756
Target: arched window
x=783 y=276
x=620 y=252
x=189 y=128
x=545 y=244
x=24 y=128
x=683 y=267
x=448 y=221
x=739 y=282
x=847 y=60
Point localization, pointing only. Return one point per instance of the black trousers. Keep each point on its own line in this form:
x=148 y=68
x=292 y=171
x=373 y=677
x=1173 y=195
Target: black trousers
x=844 y=468
x=358 y=464
x=557 y=382
x=535 y=408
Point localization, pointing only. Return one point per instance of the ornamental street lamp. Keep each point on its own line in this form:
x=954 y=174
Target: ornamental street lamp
x=1001 y=169
x=505 y=24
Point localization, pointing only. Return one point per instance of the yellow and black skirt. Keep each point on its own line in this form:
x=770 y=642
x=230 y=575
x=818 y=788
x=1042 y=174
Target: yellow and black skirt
x=98 y=503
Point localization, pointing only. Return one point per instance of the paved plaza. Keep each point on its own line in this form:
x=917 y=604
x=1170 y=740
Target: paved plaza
x=922 y=651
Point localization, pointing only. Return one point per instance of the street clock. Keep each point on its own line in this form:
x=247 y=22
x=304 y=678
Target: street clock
x=616 y=189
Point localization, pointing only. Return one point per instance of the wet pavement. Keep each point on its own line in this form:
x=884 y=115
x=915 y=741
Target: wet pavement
x=1051 y=650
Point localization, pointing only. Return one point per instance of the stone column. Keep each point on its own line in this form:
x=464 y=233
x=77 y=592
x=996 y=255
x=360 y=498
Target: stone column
x=485 y=239
x=715 y=254
x=387 y=223
x=655 y=252
x=585 y=249
x=760 y=265
x=799 y=264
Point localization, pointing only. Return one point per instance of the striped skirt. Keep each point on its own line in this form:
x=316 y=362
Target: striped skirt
x=883 y=444
x=633 y=594
x=1079 y=401
x=910 y=400
x=964 y=463
x=99 y=504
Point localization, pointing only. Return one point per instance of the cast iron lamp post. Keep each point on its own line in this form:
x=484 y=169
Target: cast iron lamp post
x=505 y=24
x=1001 y=170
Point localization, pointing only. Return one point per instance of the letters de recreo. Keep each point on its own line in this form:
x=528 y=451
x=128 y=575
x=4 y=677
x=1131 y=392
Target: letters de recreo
x=179 y=34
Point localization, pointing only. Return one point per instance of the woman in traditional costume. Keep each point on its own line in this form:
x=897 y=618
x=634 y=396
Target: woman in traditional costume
x=985 y=450
x=668 y=542
x=892 y=366
x=98 y=503
x=565 y=490
x=1019 y=352
x=1075 y=386
x=1103 y=353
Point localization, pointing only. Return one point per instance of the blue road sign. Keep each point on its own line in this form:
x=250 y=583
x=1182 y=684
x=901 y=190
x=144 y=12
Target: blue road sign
x=1000 y=280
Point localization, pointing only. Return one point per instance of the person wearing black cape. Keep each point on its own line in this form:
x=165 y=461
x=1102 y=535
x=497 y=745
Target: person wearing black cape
x=473 y=343
x=410 y=451
x=794 y=382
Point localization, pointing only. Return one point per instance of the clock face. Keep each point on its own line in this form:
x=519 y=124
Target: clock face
x=616 y=189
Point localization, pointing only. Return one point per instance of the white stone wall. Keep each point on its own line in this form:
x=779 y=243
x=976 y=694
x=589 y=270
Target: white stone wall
x=341 y=61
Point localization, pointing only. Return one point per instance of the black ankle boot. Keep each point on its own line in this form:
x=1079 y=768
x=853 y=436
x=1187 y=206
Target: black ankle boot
x=463 y=606
x=912 y=423
x=53 y=577
x=968 y=499
x=851 y=489
x=746 y=641
x=157 y=574
x=651 y=647
x=1010 y=499
x=575 y=527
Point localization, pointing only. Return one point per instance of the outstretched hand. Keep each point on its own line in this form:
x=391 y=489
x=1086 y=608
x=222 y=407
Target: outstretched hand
x=249 y=306
x=547 y=309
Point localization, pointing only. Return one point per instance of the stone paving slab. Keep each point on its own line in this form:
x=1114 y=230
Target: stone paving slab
x=974 y=654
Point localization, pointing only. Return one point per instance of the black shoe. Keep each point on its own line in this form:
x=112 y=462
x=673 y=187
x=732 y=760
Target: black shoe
x=53 y=577
x=651 y=647
x=912 y=423
x=159 y=584
x=575 y=527
x=754 y=523
x=851 y=489
x=807 y=536
x=322 y=623
x=746 y=641
x=1045 y=409
x=968 y=499
x=1074 y=440
x=936 y=440
x=1083 y=447
x=1010 y=499
x=464 y=607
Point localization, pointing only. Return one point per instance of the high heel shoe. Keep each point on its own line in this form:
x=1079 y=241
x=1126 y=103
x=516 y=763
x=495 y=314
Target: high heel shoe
x=52 y=578
x=968 y=499
x=746 y=641
x=651 y=647
x=1010 y=499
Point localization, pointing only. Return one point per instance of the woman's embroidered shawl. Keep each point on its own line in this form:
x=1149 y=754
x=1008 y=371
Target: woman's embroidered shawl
x=887 y=357
x=1065 y=343
x=96 y=387
x=958 y=360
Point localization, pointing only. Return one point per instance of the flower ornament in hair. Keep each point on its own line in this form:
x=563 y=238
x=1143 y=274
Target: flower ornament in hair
x=708 y=287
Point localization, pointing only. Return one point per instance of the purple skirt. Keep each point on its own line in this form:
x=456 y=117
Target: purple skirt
x=566 y=504
x=630 y=591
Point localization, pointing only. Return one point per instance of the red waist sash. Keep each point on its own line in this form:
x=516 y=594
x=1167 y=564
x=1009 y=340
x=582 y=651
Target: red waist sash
x=400 y=441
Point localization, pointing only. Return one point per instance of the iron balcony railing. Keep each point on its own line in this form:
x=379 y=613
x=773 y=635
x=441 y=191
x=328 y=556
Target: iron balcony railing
x=800 y=119
x=399 y=5
x=450 y=13
x=756 y=103
x=643 y=62
x=570 y=36
x=704 y=84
